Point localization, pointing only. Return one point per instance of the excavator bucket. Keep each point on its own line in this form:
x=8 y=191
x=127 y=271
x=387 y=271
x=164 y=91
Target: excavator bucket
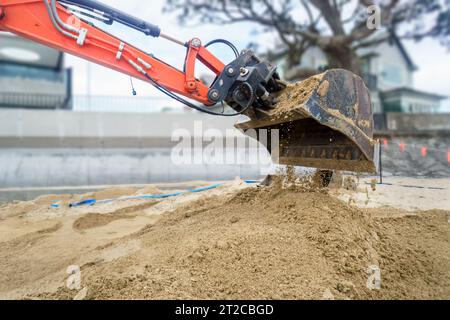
x=324 y=122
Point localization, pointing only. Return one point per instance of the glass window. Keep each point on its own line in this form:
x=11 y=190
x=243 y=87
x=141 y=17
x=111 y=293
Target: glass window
x=392 y=74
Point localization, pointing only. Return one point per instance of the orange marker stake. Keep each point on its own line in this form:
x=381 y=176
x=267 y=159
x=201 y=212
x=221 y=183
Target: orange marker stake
x=402 y=147
x=424 y=152
x=385 y=142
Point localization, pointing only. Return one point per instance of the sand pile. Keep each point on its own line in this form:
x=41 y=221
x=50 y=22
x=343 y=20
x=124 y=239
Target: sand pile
x=287 y=241
x=292 y=240
x=295 y=95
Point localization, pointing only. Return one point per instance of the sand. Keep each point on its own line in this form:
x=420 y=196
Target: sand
x=408 y=194
x=291 y=240
x=295 y=95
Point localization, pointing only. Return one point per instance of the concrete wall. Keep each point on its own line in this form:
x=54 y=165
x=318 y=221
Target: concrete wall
x=418 y=123
x=42 y=168
x=60 y=148
x=62 y=129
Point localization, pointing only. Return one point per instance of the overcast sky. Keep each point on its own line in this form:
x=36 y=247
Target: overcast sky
x=432 y=59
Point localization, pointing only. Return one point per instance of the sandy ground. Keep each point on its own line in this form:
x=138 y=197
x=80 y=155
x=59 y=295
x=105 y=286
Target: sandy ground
x=239 y=241
x=398 y=192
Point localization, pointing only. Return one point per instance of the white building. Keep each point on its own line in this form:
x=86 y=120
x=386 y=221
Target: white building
x=388 y=71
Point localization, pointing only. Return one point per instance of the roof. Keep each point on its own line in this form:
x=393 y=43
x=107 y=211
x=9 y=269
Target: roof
x=411 y=65
x=415 y=92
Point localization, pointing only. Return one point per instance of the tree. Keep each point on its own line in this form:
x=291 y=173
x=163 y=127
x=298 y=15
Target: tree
x=337 y=27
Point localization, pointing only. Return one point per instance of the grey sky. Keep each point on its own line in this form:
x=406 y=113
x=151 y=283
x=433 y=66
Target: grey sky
x=432 y=59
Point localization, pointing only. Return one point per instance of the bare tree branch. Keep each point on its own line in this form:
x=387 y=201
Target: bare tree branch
x=324 y=25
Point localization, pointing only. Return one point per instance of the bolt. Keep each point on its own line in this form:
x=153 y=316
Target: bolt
x=196 y=43
x=191 y=85
x=244 y=72
x=230 y=71
x=214 y=94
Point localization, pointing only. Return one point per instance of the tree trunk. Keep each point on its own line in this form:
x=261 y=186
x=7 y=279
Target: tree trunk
x=293 y=57
x=344 y=57
x=292 y=69
x=338 y=56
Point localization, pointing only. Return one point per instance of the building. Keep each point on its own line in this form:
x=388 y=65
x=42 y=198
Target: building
x=388 y=71
x=32 y=75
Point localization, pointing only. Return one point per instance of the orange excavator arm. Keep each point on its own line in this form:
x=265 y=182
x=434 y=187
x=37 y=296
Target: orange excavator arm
x=244 y=84
x=31 y=19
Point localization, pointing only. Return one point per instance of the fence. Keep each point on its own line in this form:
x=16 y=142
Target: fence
x=416 y=156
x=38 y=101
x=123 y=104
x=84 y=103
x=36 y=89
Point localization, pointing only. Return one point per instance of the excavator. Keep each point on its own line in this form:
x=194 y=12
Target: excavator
x=329 y=127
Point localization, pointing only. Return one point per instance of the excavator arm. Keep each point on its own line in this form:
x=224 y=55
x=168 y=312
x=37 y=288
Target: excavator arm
x=36 y=21
x=328 y=127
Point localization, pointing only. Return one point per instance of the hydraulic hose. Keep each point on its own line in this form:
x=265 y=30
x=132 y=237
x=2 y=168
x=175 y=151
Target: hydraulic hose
x=191 y=105
x=226 y=42
x=59 y=21
x=119 y=16
x=55 y=23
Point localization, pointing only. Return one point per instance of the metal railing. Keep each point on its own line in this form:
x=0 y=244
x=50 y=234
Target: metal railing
x=55 y=89
x=83 y=103
x=36 y=101
x=131 y=104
